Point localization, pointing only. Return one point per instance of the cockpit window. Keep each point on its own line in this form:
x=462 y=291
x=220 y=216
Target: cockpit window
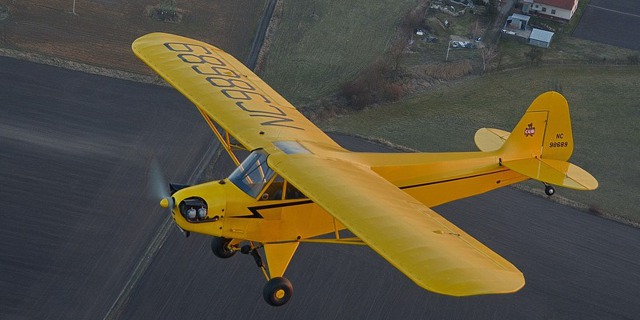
x=252 y=174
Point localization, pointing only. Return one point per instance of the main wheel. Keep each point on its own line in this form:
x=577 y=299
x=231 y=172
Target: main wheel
x=549 y=190
x=277 y=291
x=220 y=247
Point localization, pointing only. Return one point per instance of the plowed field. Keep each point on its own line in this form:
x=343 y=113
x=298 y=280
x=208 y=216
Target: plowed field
x=101 y=32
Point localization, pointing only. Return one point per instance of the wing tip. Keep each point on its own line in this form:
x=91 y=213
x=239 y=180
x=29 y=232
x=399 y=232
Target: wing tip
x=496 y=282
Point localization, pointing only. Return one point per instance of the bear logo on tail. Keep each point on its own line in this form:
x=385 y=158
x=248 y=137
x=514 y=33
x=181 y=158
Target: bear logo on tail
x=530 y=130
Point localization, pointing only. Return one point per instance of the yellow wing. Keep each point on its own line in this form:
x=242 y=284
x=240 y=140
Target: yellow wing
x=227 y=91
x=430 y=250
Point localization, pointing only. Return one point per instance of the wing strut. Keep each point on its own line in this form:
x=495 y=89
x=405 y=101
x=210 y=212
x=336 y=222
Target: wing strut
x=225 y=140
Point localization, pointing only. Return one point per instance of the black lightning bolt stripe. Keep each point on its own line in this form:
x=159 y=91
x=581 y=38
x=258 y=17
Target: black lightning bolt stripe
x=256 y=210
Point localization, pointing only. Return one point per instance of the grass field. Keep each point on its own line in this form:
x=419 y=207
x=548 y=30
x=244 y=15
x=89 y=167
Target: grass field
x=605 y=110
x=102 y=31
x=319 y=45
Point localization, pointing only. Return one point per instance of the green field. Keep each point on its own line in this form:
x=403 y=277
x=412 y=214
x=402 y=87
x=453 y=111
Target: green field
x=605 y=109
x=319 y=45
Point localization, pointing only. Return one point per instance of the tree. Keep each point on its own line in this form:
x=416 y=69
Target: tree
x=395 y=54
x=535 y=55
x=488 y=54
x=492 y=10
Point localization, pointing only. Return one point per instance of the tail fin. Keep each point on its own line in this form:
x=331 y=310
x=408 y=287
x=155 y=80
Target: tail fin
x=543 y=132
x=542 y=142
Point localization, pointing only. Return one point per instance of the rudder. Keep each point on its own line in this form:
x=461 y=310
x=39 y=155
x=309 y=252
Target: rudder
x=543 y=132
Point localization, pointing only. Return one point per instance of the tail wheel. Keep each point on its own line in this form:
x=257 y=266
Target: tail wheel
x=220 y=247
x=549 y=190
x=277 y=291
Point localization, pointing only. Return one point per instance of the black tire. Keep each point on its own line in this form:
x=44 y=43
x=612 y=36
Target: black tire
x=549 y=190
x=220 y=247
x=277 y=291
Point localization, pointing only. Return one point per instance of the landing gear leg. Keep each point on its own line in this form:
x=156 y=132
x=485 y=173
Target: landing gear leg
x=549 y=190
x=221 y=247
x=277 y=291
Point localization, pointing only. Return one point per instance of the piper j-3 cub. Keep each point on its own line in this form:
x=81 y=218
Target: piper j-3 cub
x=297 y=184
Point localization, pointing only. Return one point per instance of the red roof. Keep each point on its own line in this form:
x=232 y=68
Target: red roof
x=562 y=4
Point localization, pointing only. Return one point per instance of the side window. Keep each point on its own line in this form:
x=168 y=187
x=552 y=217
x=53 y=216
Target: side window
x=281 y=190
x=292 y=192
x=274 y=190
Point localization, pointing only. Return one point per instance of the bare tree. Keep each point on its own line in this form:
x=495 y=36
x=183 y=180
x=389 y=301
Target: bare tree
x=489 y=55
x=395 y=54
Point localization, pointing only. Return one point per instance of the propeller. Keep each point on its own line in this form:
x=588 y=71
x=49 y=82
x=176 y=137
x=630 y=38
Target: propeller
x=158 y=186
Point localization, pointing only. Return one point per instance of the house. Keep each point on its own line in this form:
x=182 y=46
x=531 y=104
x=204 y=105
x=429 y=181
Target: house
x=540 y=38
x=563 y=9
x=517 y=21
x=517 y=25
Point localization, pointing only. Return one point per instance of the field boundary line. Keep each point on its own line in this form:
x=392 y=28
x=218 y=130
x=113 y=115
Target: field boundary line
x=614 y=11
x=82 y=67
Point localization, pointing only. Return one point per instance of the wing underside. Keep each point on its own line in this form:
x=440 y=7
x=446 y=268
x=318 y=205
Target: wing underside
x=430 y=250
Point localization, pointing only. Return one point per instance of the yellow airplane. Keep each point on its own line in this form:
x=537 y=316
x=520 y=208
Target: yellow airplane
x=297 y=185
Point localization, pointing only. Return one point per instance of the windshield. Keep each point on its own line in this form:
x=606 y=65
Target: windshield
x=252 y=174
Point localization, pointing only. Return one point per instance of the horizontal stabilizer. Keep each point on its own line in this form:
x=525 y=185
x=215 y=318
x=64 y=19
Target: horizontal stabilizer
x=489 y=139
x=556 y=172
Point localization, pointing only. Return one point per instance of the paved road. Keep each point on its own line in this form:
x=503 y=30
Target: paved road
x=76 y=226
x=261 y=33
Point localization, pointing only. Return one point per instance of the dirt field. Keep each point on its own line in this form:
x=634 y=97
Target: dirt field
x=102 y=31
x=611 y=22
